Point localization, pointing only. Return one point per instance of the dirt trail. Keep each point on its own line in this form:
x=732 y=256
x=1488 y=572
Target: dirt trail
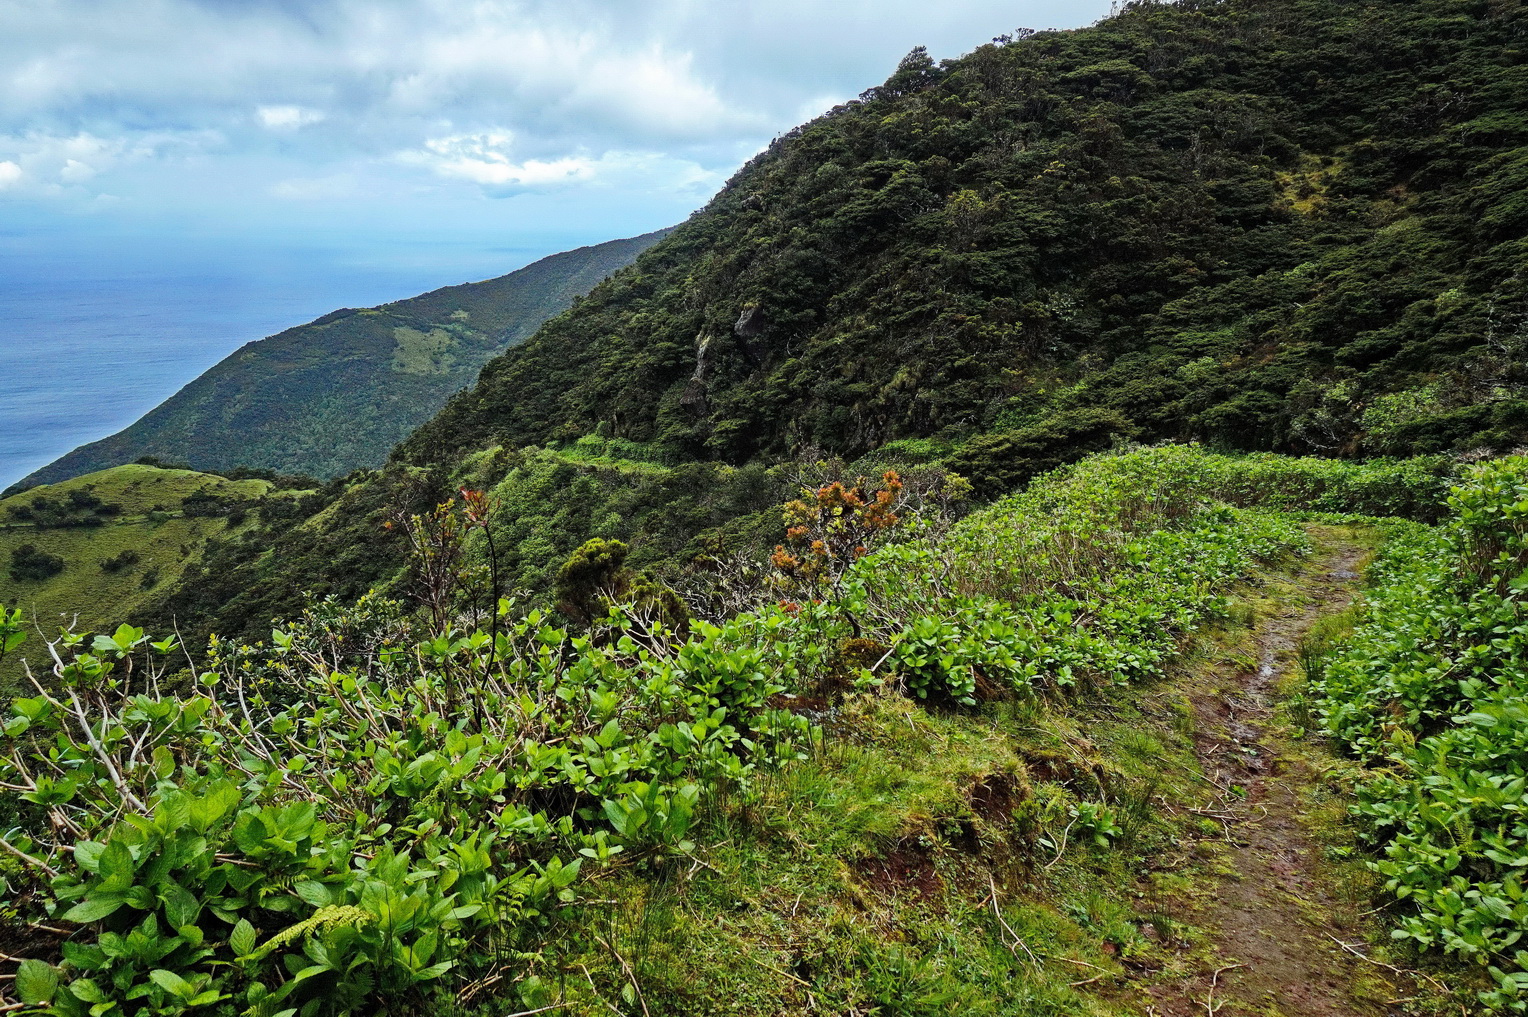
x=1275 y=917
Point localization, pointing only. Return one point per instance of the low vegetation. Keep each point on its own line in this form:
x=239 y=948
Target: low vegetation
x=927 y=760
x=361 y=813
x=1428 y=694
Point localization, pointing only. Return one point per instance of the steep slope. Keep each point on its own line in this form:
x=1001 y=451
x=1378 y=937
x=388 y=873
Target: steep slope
x=88 y=551
x=1276 y=224
x=336 y=394
x=1265 y=224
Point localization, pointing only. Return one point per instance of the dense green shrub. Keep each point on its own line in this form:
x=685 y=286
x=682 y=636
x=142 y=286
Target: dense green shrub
x=117 y=562
x=1406 y=488
x=358 y=815
x=325 y=830
x=29 y=563
x=1090 y=577
x=202 y=503
x=1429 y=692
x=999 y=463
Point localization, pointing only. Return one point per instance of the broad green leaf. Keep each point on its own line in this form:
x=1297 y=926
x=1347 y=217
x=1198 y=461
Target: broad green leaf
x=85 y=956
x=116 y=866
x=36 y=981
x=314 y=892
x=93 y=909
x=87 y=853
x=164 y=763
x=171 y=982
x=180 y=906
x=174 y=811
x=243 y=938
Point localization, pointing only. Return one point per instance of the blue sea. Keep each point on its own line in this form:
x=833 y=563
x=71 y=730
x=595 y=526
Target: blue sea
x=94 y=336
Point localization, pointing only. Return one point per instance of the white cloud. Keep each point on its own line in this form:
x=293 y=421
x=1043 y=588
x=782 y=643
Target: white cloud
x=55 y=164
x=502 y=96
x=485 y=158
x=488 y=159
x=567 y=76
x=287 y=118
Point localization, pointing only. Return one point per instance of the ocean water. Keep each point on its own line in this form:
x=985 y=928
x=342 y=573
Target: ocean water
x=93 y=338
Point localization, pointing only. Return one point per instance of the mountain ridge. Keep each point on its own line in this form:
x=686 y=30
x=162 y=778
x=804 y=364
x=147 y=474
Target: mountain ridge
x=1205 y=220
x=337 y=393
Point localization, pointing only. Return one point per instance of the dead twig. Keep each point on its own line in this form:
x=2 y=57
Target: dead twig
x=1062 y=849
x=782 y=974
x=630 y=974
x=1209 y=1001
x=37 y=863
x=996 y=911
x=1079 y=963
x=596 y=991
x=1389 y=967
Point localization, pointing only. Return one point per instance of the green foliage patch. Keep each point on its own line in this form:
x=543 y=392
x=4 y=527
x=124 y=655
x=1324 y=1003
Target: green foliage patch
x=363 y=813
x=1429 y=694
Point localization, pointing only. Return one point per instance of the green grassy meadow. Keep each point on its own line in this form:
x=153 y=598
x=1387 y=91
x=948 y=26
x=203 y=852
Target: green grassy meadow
x=151 y=524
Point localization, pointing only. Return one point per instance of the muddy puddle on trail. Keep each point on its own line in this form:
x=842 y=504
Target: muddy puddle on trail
x=1277 y=927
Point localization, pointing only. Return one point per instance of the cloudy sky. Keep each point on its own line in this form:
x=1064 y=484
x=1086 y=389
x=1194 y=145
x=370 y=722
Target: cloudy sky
x=534 y=124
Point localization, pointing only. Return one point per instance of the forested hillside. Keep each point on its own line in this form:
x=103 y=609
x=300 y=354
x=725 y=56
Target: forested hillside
x=1269 y=224
x=338 y=393
x=1292 y=225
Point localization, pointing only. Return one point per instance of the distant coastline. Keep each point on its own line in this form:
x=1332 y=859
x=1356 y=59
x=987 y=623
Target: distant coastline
x=84 y=353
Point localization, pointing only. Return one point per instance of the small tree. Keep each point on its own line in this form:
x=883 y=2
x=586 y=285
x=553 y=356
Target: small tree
x=30 y=563
x=593 y=577
x=435 y=544
x=835 y=526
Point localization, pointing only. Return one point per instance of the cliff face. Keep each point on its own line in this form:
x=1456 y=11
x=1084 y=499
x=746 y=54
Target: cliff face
x=338 y=393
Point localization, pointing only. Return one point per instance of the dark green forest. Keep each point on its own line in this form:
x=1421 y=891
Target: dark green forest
x=1288 y=226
